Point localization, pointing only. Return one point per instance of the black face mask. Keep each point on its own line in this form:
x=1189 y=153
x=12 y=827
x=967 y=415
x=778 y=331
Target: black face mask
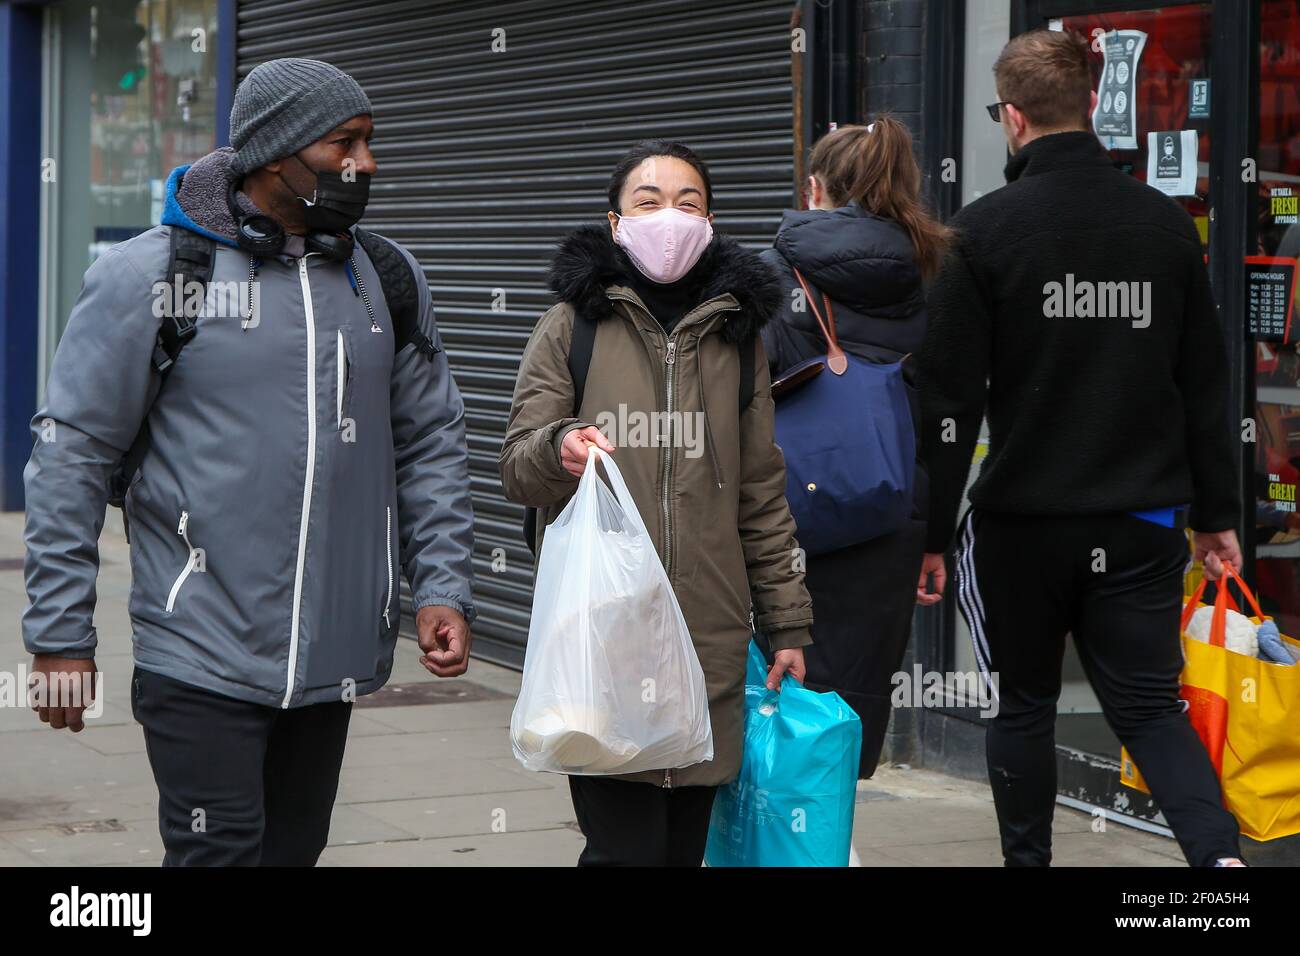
x=338 y=204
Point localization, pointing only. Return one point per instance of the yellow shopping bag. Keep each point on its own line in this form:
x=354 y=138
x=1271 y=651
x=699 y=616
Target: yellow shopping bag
x=1247 y=713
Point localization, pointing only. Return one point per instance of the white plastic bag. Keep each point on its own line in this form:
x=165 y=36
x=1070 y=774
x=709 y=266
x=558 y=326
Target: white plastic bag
x=611 y=681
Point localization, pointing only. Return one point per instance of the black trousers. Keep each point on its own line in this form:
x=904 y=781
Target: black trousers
x=639 y=824
x=863 y=598
x=239 y=784
x=1113 y=582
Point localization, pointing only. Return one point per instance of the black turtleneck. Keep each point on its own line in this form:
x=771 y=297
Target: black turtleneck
x=1073 y=148
x=667 y=301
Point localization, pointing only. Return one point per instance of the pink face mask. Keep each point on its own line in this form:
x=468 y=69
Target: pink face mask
x=664 y=245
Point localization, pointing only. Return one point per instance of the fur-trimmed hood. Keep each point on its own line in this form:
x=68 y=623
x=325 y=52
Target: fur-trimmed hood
x=589 y=262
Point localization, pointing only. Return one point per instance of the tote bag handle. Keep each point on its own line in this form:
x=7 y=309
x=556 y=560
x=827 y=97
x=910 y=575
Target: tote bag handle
x=836 y=360
x=1219 y=621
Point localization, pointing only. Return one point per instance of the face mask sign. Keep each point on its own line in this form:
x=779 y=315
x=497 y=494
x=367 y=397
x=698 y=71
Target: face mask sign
x=664 y=245
x=337 y=204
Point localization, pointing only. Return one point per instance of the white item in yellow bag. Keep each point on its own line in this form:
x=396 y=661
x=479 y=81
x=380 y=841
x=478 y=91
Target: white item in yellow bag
x=1238 y=631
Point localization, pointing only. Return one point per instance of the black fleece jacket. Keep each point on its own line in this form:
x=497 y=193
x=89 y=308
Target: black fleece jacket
x=1090 y=412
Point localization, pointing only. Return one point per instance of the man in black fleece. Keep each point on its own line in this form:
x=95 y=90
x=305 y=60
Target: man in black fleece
x=1076 y=308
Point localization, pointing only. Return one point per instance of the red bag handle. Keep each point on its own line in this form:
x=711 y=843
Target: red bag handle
x=1219 y=620
x=1194 y=602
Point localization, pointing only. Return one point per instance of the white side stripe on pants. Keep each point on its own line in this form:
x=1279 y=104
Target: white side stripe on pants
x=972 y=605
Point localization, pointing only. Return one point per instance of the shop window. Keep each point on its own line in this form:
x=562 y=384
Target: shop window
x=984 y=147
x=1168 y=53
x=1271 y=312
x=130 y=93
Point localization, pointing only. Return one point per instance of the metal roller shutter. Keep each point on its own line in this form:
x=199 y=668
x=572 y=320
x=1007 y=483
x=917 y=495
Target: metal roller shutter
x=486 y=158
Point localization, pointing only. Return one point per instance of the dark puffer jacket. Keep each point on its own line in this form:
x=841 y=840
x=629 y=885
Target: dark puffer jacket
x=868 y=268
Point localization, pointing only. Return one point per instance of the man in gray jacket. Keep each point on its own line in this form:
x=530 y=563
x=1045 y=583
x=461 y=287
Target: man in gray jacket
x=299 y=450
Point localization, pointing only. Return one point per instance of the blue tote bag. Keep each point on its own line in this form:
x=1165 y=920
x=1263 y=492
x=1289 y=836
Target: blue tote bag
x=792 y=803
x=845 y=428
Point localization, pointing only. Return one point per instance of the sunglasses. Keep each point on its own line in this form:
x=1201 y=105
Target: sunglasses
x=994 y=109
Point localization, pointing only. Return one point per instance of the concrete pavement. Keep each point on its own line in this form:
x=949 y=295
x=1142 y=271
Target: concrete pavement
x=428 y=780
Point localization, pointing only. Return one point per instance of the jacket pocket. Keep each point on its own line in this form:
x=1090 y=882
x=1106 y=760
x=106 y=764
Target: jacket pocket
x=388 y=557
x=192 y=564
x=343 y=376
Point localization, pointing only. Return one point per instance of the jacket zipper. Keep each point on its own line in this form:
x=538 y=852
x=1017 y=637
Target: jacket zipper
x=670 y=361
x=183 y=530
x=665 y=467
x=388 y=598
x=669 y=366
x=307 y=480
x=341 y=380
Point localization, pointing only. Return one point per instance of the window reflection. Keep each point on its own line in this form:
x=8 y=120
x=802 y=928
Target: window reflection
x=131 y=94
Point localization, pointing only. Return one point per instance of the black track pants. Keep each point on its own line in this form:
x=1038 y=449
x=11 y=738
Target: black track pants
x=1023 y=584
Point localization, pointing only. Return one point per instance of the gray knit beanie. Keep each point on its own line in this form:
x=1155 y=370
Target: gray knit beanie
x=283 y=105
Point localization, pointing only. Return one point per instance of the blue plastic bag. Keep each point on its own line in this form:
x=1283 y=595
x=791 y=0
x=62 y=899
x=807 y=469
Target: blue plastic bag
x=792 y=803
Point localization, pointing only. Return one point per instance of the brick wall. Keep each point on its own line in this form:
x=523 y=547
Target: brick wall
x=893 y=70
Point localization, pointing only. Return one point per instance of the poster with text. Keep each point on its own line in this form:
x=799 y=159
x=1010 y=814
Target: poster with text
x=1171 y=161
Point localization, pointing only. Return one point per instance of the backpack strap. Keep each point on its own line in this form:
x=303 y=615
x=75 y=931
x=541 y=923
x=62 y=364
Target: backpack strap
x=190 y=259
x=401 y=293
x=581 y=345
x=530 y=530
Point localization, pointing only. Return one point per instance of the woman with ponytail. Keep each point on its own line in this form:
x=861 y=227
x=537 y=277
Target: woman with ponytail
x=865 y=243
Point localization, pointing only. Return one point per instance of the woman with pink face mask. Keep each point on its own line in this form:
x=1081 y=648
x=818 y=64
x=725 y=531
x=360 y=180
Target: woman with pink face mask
x=652 y=353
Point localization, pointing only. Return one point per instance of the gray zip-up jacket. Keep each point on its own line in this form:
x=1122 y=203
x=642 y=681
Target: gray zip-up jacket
x=296 y=465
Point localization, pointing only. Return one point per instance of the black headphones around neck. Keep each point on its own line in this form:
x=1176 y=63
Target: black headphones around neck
x=260 y=235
